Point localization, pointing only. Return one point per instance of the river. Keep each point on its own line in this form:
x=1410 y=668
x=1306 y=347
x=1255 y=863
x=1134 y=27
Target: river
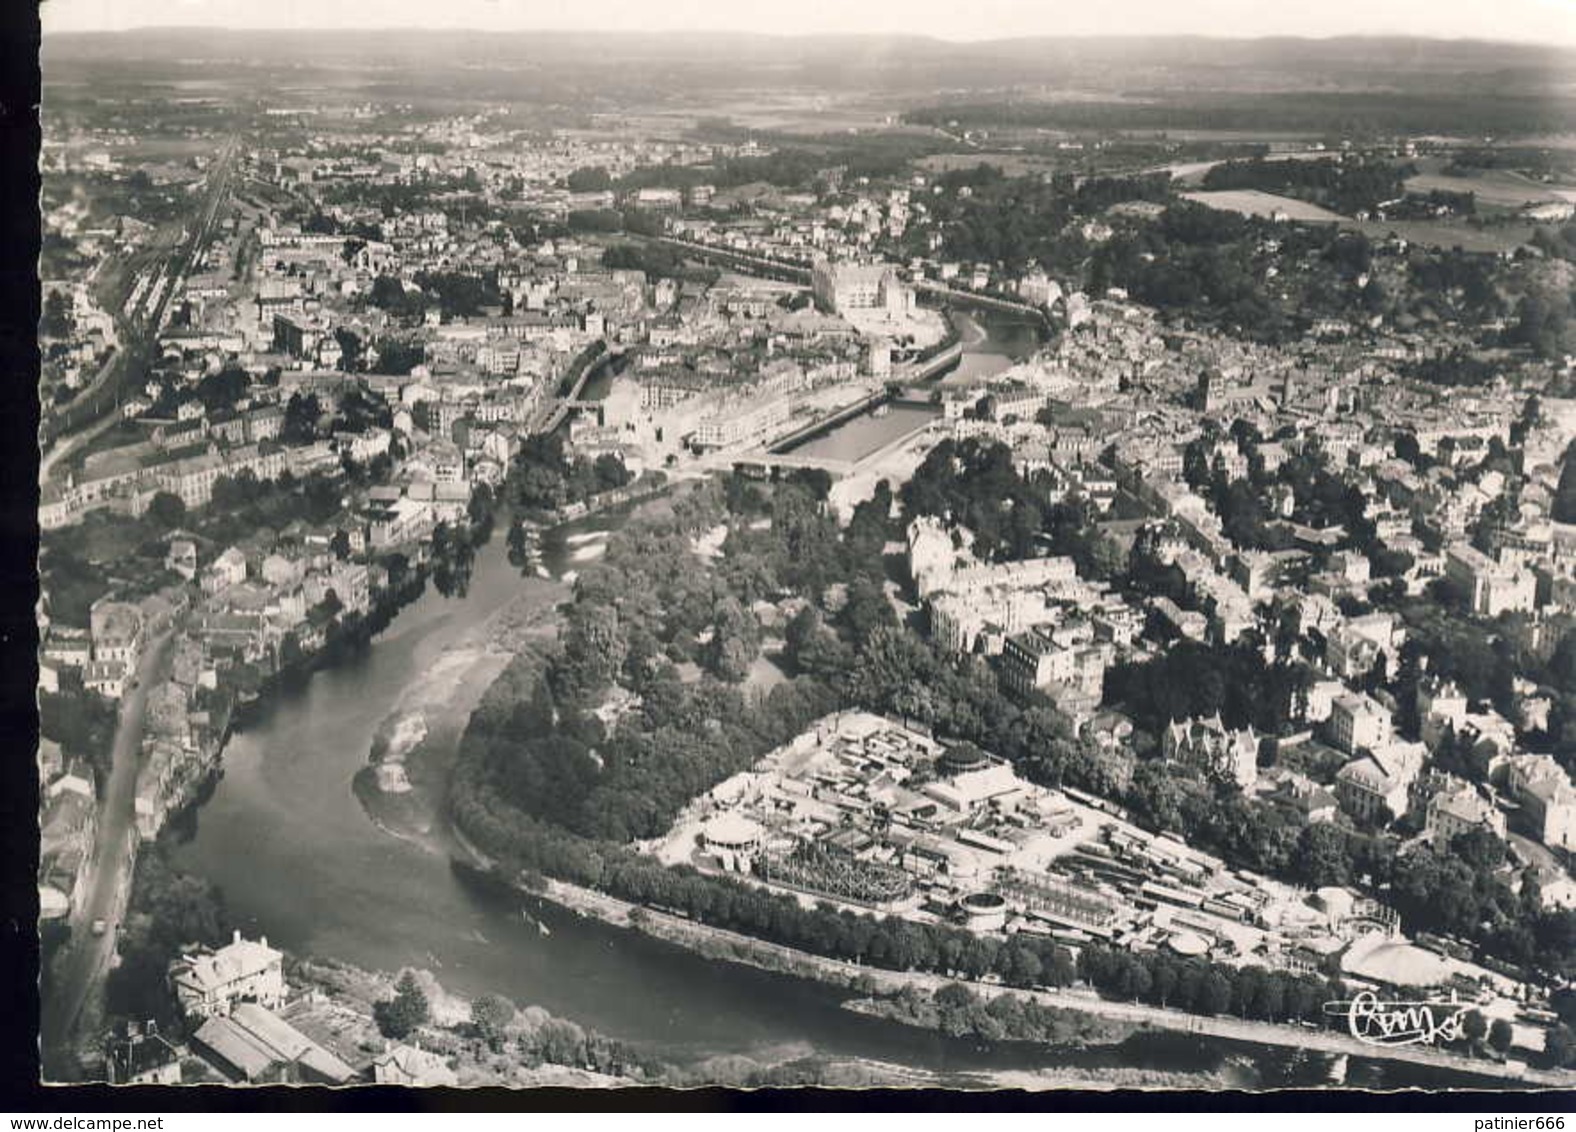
x=992 y=342
x=300 y=862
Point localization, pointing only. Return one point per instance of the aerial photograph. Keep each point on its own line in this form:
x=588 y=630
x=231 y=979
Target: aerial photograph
x=885 y=545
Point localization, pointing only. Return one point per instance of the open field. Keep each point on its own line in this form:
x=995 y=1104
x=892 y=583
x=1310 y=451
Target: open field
x=1446 y=234
x=1252 y=202
x=1429 y=233
x=1499 y=187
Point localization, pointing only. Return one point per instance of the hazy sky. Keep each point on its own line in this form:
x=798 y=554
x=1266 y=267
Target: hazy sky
x=1545 y=21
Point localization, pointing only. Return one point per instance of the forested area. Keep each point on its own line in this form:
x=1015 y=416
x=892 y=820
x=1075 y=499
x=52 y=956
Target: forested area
x=1199 y=262
x=974 y=483
x=1021 y=221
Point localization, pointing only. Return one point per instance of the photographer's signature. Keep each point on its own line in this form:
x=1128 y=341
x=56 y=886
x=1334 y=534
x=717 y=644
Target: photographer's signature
x=1380 y=1023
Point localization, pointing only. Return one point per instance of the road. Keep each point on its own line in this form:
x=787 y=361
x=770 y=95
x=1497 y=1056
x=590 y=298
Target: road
x=66 y=445
x=84 y=962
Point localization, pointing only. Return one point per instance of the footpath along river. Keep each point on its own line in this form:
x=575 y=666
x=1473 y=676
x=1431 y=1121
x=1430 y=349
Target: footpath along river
x=300 y=861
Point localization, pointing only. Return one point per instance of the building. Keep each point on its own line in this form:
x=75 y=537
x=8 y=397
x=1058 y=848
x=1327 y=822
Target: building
x=745 y=420
x=293 y=335
x=1491 y=588
x=142 y=1057
x=115 y=628
x=843 y=287
x=1208 y=745
x=411 y=1066
x=254 y=1045
x=1376 y=786
x=209 y=984
x=734 y=840
x=1458 y=809
x=229 y=569
x=1547 y=799
x=182 y=558
x=967 y=778
x=401 y=521
x=1045 y=658
x=1357 y=722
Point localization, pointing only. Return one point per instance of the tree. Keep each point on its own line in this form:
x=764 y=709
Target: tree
x=735 y=641
x=519 y=548
x=301 y=417
x=1500 y=1035
x=407 y=1010
x=1560 y=1046
x=57 y=321
x=1322 y=856
x=167 y=510
x=340 y=544
x=1214 y=994
x=492 y=1014
x=1473 y=1027
x=221 y=390
x=1479 y=848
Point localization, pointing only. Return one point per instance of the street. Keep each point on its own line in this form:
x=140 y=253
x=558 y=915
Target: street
x=84 y=961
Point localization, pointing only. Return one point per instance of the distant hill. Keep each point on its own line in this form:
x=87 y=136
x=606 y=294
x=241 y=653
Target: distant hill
x=861 y=59
x=1422 y=85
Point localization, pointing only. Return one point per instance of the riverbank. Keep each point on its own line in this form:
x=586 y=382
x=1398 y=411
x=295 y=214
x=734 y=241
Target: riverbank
x=346 y=639
x=333 y=1004
x=733 y=947
x=404 y=787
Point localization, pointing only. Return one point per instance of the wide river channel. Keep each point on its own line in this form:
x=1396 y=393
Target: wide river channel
x=300 y=862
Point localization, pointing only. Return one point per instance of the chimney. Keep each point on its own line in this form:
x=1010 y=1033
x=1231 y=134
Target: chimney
x=265 y=941
x=236 y=937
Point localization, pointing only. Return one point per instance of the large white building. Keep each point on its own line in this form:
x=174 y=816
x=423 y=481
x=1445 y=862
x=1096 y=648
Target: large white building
x=842 y=287
x=209 y=984
x=1358 y=722
x=1492 y=588
x=1377 y=785
x=1546 y=796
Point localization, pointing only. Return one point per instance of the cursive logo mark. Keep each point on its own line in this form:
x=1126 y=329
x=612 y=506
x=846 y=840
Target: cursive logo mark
x=1380 y=1023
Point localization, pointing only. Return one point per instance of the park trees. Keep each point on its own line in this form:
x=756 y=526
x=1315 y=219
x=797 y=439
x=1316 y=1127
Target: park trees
x=491 y=1016
x=167 y=510
x=406 y=1011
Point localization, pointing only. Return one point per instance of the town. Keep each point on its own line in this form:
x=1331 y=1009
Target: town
x=1264 y=526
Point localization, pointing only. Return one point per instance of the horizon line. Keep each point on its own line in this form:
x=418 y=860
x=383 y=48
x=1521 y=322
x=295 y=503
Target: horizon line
x=931 y=37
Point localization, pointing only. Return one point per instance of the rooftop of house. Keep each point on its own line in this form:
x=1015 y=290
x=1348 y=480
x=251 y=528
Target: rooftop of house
x=238 y=959
x=139 y=1053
